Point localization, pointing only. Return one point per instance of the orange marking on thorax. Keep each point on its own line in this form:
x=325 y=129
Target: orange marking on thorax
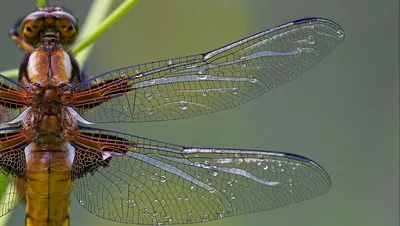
x=61 y=71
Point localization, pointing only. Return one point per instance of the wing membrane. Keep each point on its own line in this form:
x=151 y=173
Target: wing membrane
x=12 y=98
x=12 y=168
x=210 y=82
x=160 y=183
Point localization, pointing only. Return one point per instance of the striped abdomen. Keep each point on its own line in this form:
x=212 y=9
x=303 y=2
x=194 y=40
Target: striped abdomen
x=48 y=184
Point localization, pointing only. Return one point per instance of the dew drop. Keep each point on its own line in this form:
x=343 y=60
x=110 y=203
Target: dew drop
x=252 y=79
x=312 y=26
x=311 y=40
x=191 y=66
x=126 y=108
x=201 y=76
x=340 y=34
x=299 y=50
x=163 y=179
x=138 y=73
x=81 y=202
x=149 y=95
x=153 y=81
x=241 y=64
x=183 y=105
x=222 y=90
x=214 y=174
x=234 y=91
x=150 y=111
x=202 y=73
x=170 y=62
x=204 y=93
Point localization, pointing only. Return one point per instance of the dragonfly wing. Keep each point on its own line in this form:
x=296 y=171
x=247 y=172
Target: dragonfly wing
x=12 y=168
x=12 y=99
x=151 y=182
x=205 y=83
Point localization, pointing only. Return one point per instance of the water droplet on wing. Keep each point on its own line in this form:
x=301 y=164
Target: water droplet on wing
x=311 y=40
x=183 y=105
x=340 y=34
x=252 y=79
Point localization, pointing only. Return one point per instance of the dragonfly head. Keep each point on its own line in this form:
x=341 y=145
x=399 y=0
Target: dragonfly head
x=51 y=22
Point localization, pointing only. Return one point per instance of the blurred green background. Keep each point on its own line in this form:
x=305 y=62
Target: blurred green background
x=344 y=113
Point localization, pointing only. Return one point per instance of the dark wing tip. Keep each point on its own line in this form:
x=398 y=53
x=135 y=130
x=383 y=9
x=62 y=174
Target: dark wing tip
x=328 y=22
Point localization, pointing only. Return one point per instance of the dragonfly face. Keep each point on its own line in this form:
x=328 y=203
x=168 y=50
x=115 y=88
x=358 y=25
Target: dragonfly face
x=50 y=22
x=131 y=179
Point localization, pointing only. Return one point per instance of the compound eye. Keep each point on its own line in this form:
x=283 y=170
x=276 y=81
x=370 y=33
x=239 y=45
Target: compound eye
x=31 y=29
x=67 y=30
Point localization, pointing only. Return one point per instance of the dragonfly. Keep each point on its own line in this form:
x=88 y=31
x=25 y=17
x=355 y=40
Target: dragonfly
x=49 y=147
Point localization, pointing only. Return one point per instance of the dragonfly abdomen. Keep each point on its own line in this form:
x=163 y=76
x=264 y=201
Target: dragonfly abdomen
x=48 y=183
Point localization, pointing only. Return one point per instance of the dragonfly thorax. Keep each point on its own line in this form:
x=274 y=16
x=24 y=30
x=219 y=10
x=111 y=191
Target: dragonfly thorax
x=48 y=73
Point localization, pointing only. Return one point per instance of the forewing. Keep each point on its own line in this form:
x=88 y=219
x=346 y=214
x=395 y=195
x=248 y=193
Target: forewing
x=210 y=82
x=12 y=99
x=161 y=183
x=12 y=169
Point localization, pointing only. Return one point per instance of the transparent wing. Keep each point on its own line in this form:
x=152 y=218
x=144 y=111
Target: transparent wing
x=12 y=99
x=12 y=169
x=151 y=182
x=210 y=82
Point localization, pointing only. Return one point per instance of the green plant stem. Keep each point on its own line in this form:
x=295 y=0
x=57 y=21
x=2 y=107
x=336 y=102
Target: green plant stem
x=10 y=73
x=107 y=23
x=41 y=3
x=97 y=13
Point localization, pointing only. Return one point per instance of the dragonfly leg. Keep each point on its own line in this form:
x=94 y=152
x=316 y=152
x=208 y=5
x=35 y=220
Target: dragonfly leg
x=14 y=35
